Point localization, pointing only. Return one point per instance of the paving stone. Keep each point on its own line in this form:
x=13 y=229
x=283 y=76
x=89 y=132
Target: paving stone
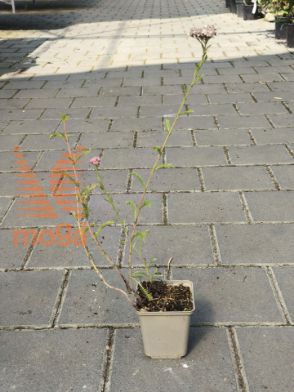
x=213 y=109
x=168 y=180
x=89 y=102
x=196 y=122
x=195 y=156
x=230 y=295
x=11 y=256
x=273 y=96
x=4 y=205
x=54 y=103
x=204 y=207
x=224 y=137
x=8 y=142
x=79 y=125
x=230 y=98
x=269 y=154
x=282 y=120
x=271 y=206
x=128 y=158
x=137 y=124
x=29 y=297
x=236 y=121
x=130 y=366
x=101 y=211
x=284 y=175
x=246 y=87
x=284 y=277
x=36 y=93
x=32 y=126
x=60 y=250
x=107 y=140
x=51 y=360
x=20 y=114
x=156 y=138
x=74 y=113
x=113 y=112
x=9 y=162
x=13 y=103
x=255 y=244
x=237 y=178
x=267 y=355
x=257 y=108
x=78 y=92
x=89 y=301
x=187 y=245
x=273 y=136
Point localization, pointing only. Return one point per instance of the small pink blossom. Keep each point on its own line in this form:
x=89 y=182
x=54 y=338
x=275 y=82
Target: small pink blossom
x=204 y=33
x=95 y=161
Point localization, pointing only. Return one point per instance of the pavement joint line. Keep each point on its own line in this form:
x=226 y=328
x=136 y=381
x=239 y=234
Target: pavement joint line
x=245 y=207
x=2 y=219
x=194 y=139
x=270 y=121
x=252 y=138
x=235 y=349
x=227 y=155
x=30 y=250
x=57 y=308
x=273 y=178
x=278 y=294
x=130 y=180
x=290 y=151
x=214 y=245
x=165 y=208
x=201 y=179
x=107 y=363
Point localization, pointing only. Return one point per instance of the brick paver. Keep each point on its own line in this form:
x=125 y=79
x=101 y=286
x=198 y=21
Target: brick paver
x=225 y=212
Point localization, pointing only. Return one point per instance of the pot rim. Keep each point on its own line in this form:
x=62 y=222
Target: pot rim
x=187 y=283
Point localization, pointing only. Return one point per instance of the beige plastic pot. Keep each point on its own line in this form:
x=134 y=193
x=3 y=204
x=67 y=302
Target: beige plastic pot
x=165 y=334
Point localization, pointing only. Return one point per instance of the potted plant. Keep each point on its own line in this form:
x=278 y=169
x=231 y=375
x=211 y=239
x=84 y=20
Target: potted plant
x=249 y=9
x=164 y=306
x=282 y=11
x=290 y=34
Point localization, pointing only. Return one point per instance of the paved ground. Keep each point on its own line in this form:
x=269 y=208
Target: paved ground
x=226 y=212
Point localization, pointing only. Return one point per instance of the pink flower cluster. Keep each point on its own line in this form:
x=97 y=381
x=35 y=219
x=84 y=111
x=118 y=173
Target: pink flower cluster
x=95 y=161
x=203 y=33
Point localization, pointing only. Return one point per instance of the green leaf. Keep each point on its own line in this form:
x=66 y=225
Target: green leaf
x=64 y=118
x=147 y=203
x=133 y=206
x=57 y=134
x=164 y=166
x=157 y=149
x=102 y=226
x=139 y=178
x=186 y=112
x=138 y=275
x=167 y=125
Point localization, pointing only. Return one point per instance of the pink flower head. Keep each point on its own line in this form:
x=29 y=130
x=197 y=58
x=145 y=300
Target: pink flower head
x=204 y=33
x=95 y=161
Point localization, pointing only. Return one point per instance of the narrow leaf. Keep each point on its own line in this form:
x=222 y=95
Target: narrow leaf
x=164 y=166
x=139 y=178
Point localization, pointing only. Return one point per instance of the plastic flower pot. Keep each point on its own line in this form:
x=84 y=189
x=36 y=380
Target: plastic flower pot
x=281 y=23
x=227 y=3
x=239 y=8
x=233 y=7
x=290 y=35
x=165 y=334
x=247 y=12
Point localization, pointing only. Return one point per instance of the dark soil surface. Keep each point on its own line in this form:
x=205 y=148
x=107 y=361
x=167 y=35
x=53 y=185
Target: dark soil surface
x=166 y=297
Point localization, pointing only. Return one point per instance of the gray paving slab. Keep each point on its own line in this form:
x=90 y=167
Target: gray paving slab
x=284 y=276
x=224 y=137
x=205 y=208
x=237 y=178
x=12 y=255
x=131 y=370
x=88 y=301
x=285 y=176
x=271 y=206
x=55 y=249
x=29 y=297
x=195 y=156
x=268 y=358
x=59 y=360
x=266 y=154
x=255 y=244
x=229 y=295
x=169 y=180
